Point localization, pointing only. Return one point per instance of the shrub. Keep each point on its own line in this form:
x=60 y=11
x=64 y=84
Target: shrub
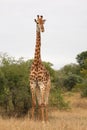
x=71 y=80
x=84 y=89
x=57 y=100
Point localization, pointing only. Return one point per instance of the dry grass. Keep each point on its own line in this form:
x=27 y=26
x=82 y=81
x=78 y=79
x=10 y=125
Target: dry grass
x=74 y=119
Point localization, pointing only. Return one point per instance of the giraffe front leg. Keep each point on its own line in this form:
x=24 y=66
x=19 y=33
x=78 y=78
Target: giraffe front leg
x=33 y=107
x=42 y=101
x=46 y=113
x=42 y=112
x=32 y=87
x=46 y=99
x=46 y=106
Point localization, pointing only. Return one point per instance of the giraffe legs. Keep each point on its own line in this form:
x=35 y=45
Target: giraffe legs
x=46 y=113
x=42 y=101
x=32 y=86
x=32 y=113
x=41 y=93
x=33 y=108
x=43 y=112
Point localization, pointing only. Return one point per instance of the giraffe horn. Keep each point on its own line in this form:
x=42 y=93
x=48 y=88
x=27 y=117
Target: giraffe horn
x=41 y=16
x=37 y=16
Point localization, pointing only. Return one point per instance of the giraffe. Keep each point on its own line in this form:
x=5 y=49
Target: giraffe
x=39 y=76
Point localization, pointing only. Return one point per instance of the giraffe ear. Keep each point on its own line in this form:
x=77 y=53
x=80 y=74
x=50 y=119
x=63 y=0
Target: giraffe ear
x=41 y=16
x=44 y=20
x=35 y=20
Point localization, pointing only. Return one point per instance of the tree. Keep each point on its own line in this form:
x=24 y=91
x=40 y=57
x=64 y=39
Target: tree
x=69 y=75
x=81 y=59
x=2 y=83
x=71 y=80
x=15 y=96
x=70 y=69
x=14 y=84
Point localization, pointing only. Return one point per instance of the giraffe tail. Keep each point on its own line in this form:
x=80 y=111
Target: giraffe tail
x=37 y=86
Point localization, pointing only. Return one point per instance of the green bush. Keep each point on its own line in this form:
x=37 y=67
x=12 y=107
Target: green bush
x=84 y=92
x=57 y=100
x=84 y=89
x=71 y=80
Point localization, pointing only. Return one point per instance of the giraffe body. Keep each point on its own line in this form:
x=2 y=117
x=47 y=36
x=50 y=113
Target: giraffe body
x=39 y=76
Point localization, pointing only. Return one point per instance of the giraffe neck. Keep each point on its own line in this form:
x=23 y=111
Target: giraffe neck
x=37 y=56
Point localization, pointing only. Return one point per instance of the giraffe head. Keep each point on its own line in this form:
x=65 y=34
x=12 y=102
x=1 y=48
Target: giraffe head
x=40 y=23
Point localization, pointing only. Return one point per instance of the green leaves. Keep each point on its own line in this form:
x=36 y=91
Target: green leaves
x=82 y=59
x=15 y=96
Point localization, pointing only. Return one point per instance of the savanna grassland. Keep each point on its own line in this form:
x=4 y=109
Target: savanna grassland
x=68 y=86
x=73 y=119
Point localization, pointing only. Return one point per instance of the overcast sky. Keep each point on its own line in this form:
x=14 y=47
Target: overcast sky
x=65 y=33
